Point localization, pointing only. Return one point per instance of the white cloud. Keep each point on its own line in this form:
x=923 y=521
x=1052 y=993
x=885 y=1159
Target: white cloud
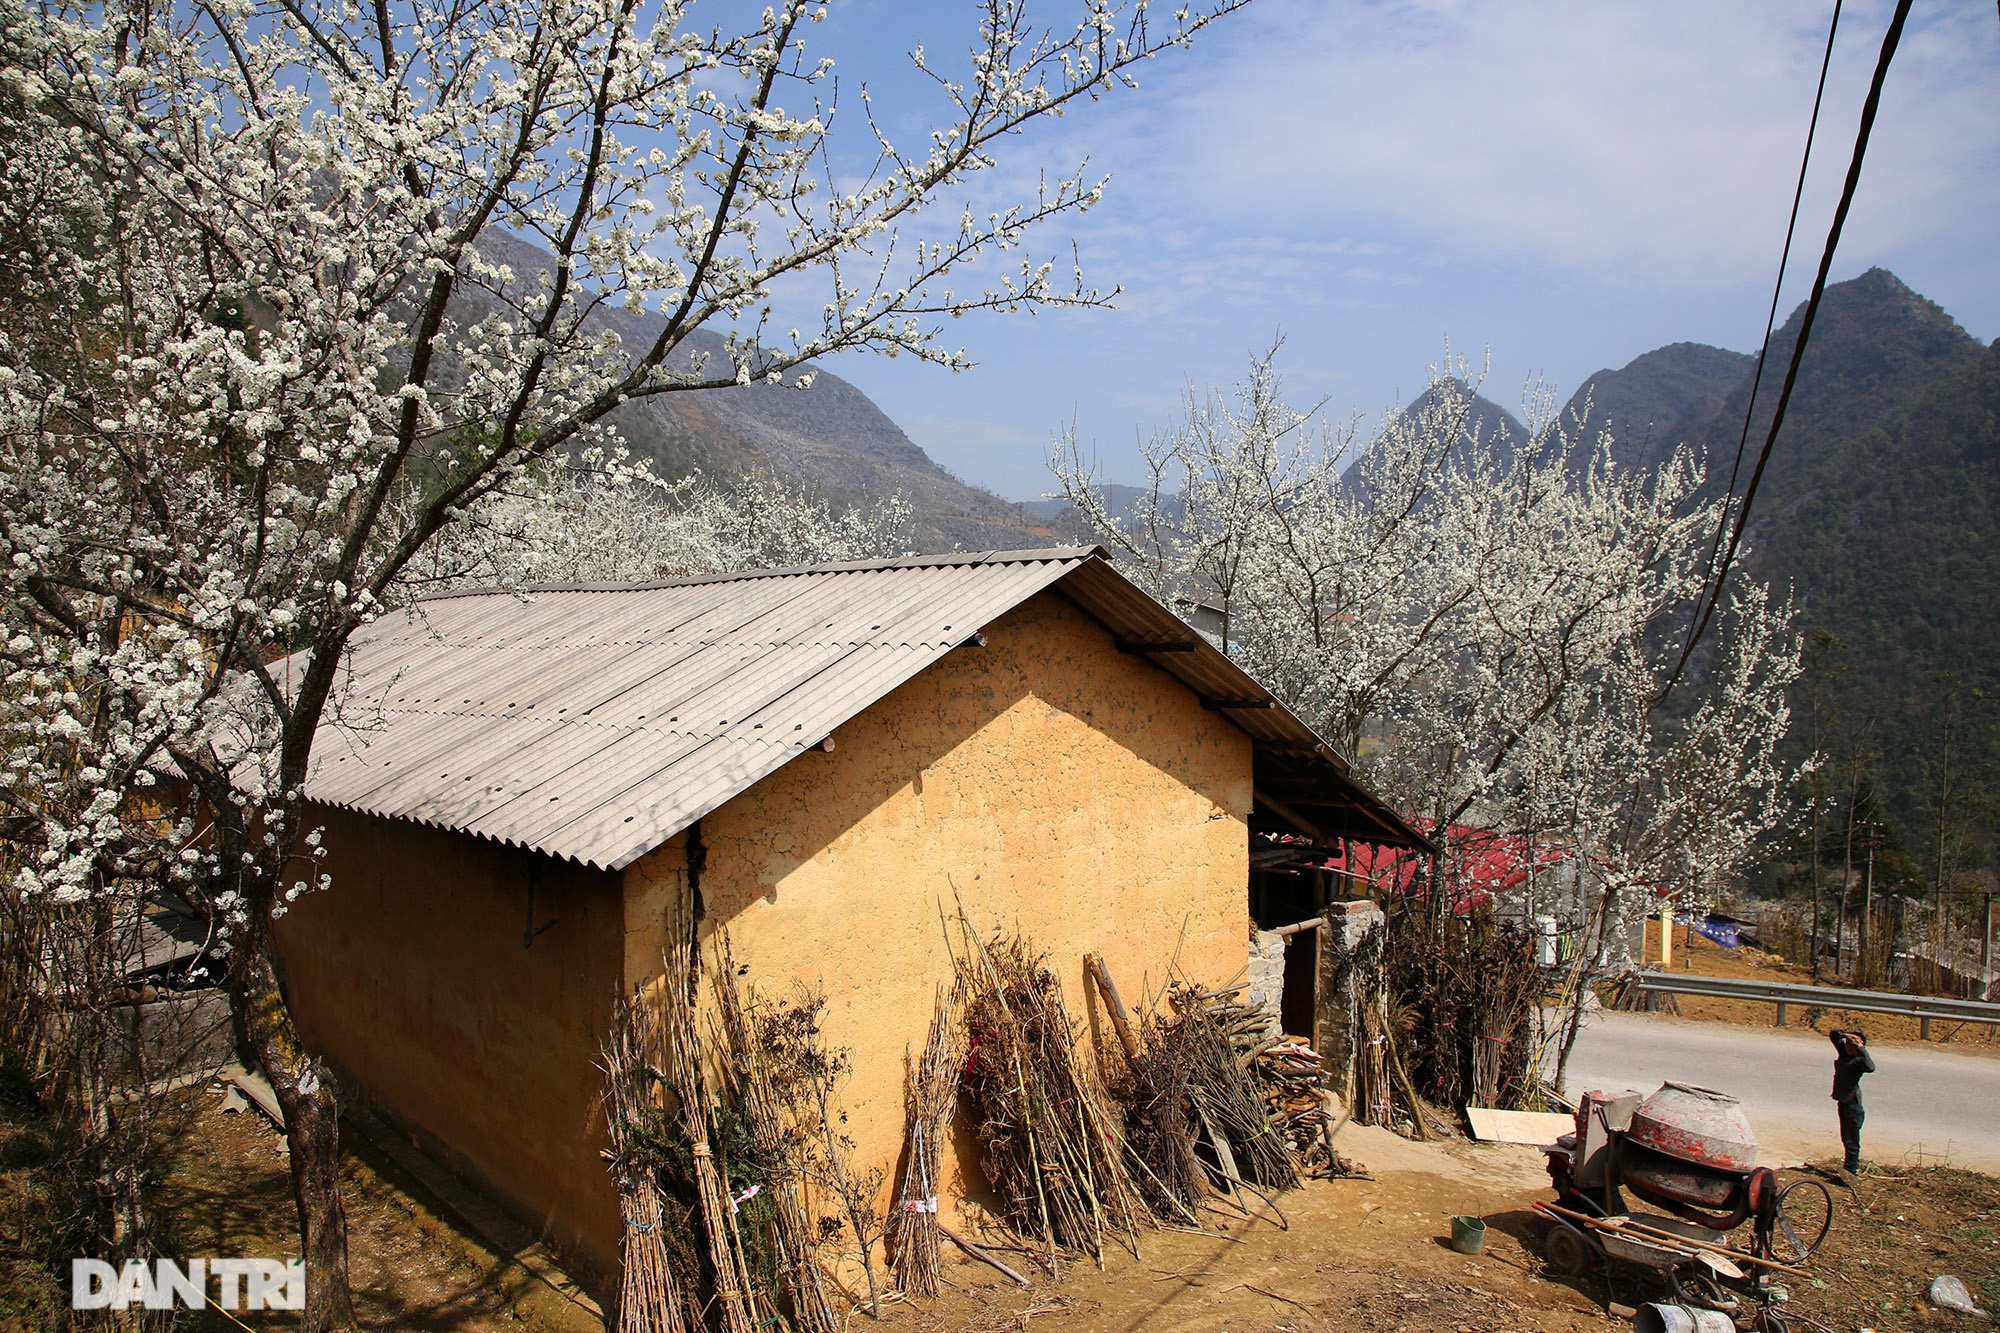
x=1656 y=143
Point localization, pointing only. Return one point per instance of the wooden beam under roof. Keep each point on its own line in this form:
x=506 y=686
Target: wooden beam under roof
x=1140 y=647
x=1289 y=815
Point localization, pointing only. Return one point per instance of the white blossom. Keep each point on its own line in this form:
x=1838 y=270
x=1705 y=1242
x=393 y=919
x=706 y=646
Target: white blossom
x=258 y=352
x=1483 y=626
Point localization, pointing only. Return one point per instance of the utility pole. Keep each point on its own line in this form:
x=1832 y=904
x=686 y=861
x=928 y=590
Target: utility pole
x=1818 y=892
x=1846 y=887
x=1867 y=908
x=1861 y=937
x=1986 y=953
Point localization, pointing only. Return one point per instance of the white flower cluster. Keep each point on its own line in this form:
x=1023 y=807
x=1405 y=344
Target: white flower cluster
x=267 y=334
x=1484 y=625
x=604 y=519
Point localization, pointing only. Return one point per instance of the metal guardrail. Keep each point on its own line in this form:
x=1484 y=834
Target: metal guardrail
x=1924 y=1008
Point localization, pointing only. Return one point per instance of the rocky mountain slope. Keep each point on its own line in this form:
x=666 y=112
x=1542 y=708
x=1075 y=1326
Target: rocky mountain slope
x=829 y=438
x=1652 y=401
x=1879 y=512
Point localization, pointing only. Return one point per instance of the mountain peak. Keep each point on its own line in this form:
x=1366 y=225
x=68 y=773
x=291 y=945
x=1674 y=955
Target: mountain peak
x=1890 y=308
x=1649 y=403
x=1875 y=347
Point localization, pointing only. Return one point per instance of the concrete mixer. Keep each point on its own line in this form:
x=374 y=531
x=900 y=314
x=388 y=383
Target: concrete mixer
x=1691 y=1152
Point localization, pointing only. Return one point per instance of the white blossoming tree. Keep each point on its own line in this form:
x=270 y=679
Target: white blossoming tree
x=259 y=350
x=1485 y=626
x=607 y=521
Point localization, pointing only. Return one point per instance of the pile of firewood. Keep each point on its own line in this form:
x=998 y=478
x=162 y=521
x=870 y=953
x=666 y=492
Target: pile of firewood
x=1301 y=1107
x=1293 y=1087
x=1219 y=1040
x=1287 y=1078
x=1048 y=1139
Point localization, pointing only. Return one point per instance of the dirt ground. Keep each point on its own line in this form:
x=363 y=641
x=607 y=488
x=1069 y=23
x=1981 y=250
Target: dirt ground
x=1374 y=1256
x=1344 y=1254
x=1893 y=1232
x=1705 y=958
x=414 y=1264
x=1368 y=1255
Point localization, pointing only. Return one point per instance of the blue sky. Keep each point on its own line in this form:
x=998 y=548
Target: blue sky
x=1566 y=184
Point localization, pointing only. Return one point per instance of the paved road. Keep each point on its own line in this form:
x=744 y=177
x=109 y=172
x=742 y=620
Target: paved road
x=1921 y=1100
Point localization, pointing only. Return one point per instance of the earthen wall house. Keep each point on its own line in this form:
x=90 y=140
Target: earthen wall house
x=1023 y=742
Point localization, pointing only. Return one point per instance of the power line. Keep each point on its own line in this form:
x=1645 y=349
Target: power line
x=1777 y=289
x=1713 y=594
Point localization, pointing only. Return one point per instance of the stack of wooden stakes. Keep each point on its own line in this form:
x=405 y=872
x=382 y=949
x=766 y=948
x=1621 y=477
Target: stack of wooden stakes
x=932 y=1092
x=1052 y=1148
x=1209 y=1096
x=718 y=1225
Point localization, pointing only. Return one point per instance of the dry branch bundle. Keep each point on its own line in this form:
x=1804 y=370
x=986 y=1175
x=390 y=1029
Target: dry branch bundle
x=932 y=1092
x=1218 y=1039
x=1050 y=1145
x=789 y=1225
x=1160 y=1126
x=651 y=1297
x=683 y=1066
x=1464 y=989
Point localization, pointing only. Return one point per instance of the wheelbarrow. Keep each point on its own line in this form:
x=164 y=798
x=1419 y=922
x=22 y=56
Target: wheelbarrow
x=1694 y=1274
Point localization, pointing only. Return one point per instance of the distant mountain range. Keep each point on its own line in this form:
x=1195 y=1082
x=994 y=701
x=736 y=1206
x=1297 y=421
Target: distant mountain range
x=1880 y=512
x=830 y=439
x=1880 y=509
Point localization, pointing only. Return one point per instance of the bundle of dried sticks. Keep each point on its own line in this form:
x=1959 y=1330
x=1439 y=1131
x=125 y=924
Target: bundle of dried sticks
x=1160 y=1124
x=775 y=1142
x=682 y=1063
x=651 y=1297
x=932 y=1091
x=1051 y=1147
x=1210 y=1036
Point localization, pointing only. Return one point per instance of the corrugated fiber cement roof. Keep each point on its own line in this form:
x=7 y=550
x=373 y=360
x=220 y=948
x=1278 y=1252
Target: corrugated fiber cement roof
x=595 y=722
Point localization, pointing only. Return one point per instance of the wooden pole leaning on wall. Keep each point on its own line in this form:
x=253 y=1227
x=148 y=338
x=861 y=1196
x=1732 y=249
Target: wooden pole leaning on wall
x=1121 y=1021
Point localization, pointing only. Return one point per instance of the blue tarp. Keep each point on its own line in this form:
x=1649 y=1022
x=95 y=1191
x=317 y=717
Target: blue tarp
x=1723 y=930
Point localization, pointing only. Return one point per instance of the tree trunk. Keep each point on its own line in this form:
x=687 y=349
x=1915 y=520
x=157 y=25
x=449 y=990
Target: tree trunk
x=311 y=1131
x=1846 y=887
x=1592 y=961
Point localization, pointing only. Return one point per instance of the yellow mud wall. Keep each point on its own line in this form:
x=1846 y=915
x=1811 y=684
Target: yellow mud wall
x=656 y=907
x=1061 y=789
x=411 y=976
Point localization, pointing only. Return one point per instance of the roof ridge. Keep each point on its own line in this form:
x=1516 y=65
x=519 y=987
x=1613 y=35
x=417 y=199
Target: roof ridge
x=947 y=559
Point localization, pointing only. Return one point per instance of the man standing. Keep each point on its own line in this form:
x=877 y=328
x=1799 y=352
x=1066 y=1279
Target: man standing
x=1851 y=1060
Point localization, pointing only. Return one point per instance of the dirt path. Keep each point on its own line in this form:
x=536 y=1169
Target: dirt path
x=1367 y=1255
